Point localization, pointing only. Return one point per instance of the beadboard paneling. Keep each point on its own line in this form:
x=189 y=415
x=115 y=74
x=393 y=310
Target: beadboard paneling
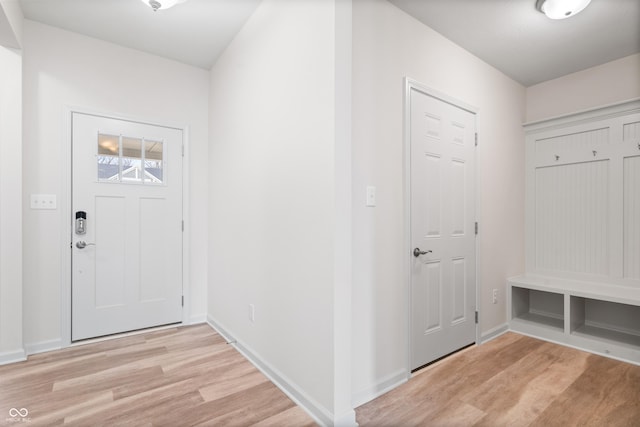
x=571 y=218
x=632 y=214
x=631 y=131
x=583 y=196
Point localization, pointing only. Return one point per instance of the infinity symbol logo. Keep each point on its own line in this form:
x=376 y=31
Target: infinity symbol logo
x=22 y=412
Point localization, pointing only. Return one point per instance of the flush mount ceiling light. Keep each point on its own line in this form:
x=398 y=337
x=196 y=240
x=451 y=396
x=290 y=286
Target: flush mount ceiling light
x=161 y=4
x=561 y=9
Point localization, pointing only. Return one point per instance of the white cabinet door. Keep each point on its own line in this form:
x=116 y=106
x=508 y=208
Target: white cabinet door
x=127 y=265
x=443 y=276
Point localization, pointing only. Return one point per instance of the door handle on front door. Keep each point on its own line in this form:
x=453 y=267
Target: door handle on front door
x=417 y=252
x=82 y=244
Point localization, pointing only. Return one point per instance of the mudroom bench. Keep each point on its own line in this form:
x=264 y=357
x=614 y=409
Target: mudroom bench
x=595 y=317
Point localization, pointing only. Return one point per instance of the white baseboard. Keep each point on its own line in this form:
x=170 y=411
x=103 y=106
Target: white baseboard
x=383 y=386
x=43 y=346
x=494 y=333
x=318 y=412
x=348 y=419
x=198 y=318
x=12 y=356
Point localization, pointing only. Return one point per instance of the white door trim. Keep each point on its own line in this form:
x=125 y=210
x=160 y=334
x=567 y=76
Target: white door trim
x=66 y=224
x=410 y=84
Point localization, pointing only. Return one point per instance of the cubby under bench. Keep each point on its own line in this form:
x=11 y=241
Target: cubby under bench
x=595 y=317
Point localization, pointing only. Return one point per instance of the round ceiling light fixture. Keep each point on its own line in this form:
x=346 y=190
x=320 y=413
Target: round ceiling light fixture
x=560 y=9
x=161 y=4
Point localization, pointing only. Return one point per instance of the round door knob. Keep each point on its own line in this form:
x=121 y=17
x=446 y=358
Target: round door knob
x=417 y=252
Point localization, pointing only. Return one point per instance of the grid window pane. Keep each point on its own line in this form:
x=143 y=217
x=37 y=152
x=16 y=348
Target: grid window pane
x=122 y=159
x=108 y=157
x=153 y=150
x=131 y=147
x=131 y=170
x=108 y=144
x=153 y=153
x=108 y=168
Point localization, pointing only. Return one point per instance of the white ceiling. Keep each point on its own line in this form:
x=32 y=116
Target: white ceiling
x=527 y=46
x=195 y=32
x=511 y=35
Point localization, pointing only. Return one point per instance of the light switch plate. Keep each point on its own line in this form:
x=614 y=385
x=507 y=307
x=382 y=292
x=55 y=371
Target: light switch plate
x=43 y=201
x=371 y=196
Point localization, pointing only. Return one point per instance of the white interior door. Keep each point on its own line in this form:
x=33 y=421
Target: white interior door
x=443 y=276
x=127 y=265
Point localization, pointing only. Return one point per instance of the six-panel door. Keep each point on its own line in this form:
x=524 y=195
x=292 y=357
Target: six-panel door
x=443 y=280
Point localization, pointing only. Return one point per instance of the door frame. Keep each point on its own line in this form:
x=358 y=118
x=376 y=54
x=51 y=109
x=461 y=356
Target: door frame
x=66 y=211
x=409 y=85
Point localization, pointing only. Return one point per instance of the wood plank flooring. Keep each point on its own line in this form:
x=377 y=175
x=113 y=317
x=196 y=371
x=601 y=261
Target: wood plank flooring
x=182 y=376
x=189 y=376
x=513 y=381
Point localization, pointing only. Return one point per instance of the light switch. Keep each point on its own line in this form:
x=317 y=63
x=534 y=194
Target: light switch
x=43 y=201
x=371 y=196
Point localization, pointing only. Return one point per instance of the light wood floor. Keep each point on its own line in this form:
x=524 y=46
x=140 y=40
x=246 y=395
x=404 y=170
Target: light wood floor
x=175 y=377
x=189 y=376
x=513 y=381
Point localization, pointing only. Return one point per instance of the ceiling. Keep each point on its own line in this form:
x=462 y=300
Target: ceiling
x=511 y=35
x=195 y=32
x=527 y=46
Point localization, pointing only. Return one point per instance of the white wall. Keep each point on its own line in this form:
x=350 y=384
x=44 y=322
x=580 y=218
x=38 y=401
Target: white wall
x=11 y=19
x=274 y=197
x=389 y=45
x=605 y=84
x=343 y=239
x=11 y=345
x=65 y=69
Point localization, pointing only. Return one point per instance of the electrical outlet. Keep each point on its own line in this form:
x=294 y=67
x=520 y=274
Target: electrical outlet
x=495 y=296
x=252 y=313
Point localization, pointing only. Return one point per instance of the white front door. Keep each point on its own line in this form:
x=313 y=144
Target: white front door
x=443 y=275
x=127 y=262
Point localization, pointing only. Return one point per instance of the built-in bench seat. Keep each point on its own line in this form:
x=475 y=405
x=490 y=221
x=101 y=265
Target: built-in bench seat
x=597 y=317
